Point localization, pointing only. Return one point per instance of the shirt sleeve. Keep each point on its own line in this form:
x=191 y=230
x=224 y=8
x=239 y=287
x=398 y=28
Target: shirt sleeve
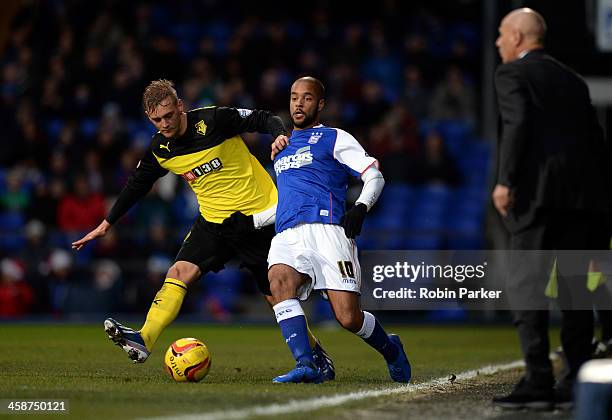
x=373 y=183
x=233 y=121
x=351 y=154
x=138 y=185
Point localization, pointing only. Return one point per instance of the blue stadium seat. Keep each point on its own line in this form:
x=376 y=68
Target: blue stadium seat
x=11 y=221
x=389 y=220
x=89 y=127
x=455 y=133
x=187 y=48
x=459 y=241
x=58 y=239
x=181 y=210
x=54 y=128
x=400 y=209
x=11 y=231
x=435 y=192
x=425 y=242
x=185 y=31
x=397 y=192
x=425 y=126
x=470 y=200
x=12 y=242
x=429 y=203
x=391 y=240
x=467 y=225
x=426 y=222
x=468 y=33
x=219 y=31
x=84 y=257
x=133 y=126
x=366 y=241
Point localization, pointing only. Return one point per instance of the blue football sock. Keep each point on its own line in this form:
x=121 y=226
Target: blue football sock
x=292 y=322
x=373 y=333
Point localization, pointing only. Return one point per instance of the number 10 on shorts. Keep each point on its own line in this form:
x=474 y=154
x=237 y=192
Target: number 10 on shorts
x=346 y=269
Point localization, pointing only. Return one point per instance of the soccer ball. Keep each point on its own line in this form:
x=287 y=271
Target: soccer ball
x=187 y=360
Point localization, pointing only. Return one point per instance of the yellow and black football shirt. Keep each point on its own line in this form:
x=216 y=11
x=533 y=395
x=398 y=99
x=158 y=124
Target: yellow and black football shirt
x=213 y=159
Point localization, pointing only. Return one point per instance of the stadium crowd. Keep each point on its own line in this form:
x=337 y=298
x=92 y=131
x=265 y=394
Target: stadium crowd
x=404 y=82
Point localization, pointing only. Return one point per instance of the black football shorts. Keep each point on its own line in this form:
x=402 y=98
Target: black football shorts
x=211 y=245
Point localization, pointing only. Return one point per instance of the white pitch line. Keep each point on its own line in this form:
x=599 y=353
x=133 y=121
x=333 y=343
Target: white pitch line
x=294 y=406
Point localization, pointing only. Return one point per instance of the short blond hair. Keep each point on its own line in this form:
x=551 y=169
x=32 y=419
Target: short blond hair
x=156 y=92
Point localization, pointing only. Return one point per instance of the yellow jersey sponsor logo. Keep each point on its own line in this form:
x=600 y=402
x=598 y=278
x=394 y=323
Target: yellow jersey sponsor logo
x=201 y=127
x=167 y=146
x=203 y=170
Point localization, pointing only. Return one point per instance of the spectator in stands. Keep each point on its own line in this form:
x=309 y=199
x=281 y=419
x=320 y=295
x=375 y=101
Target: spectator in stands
x=80 y=209
x=36 y=250
x=45 y=201
x=453 y=98
x=159 y=242
x=107 y=287
x=117 y=248
x=373 y=106
x=61 y=278
x=153 y=209
x=93 y=172
x=435 y=165
x=36 y=253
x=416 y=94
x=394 y=141
x=16 y=296
x=382 y=65
x=15 y=197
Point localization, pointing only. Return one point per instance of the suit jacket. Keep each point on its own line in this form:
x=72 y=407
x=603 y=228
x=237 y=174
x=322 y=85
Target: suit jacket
x=551 y=149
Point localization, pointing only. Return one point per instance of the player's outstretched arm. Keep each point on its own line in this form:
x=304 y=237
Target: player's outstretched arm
x=279 y=144
x=96 y=233
x=137 y=186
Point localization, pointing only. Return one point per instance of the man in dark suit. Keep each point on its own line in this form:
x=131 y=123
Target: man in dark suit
x=551 y=193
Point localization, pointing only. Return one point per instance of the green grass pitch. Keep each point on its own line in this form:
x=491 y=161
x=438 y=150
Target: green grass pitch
x=78 y=363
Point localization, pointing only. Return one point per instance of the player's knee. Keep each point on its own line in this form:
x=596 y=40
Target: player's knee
x=281 y=285
x=184 y=271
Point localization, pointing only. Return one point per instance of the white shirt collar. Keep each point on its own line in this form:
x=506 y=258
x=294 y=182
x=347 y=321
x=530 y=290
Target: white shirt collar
x=523 y=54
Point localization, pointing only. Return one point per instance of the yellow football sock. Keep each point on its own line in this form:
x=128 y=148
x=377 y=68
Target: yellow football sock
x=311 y=338
x=164 y=309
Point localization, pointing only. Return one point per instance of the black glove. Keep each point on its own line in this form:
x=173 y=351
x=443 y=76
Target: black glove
x=239 y=222
x=353 y=220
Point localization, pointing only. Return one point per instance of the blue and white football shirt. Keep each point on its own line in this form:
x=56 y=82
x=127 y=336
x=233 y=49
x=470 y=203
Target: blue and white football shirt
x=312 y=175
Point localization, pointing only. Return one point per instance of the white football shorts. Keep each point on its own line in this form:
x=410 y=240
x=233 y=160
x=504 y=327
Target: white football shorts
x=321 y=251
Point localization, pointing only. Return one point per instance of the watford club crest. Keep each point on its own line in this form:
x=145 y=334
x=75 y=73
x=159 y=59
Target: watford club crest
x=201 y=127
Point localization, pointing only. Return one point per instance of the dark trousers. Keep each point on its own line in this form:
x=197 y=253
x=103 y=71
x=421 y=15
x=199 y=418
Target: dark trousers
x=554 y=231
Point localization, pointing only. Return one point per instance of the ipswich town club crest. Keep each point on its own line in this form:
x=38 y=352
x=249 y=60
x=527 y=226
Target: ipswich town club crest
x=314 y=138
